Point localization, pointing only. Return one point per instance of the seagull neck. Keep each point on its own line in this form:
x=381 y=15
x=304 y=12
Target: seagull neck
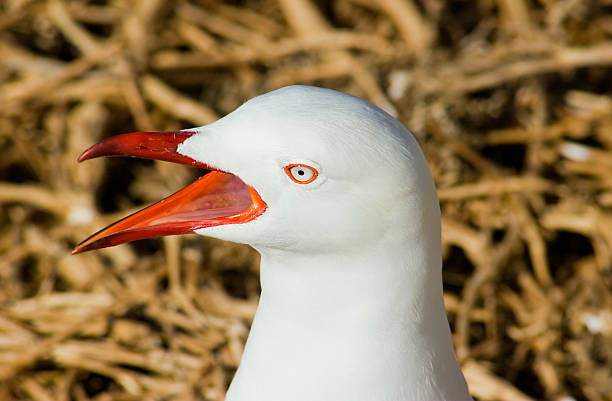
x=395 y=294
x=369 y=325
x=360 y=280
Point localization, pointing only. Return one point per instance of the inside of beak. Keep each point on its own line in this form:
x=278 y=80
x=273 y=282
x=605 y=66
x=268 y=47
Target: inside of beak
x=217 y=198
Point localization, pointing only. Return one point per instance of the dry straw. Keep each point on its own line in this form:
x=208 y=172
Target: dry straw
x=509 y=98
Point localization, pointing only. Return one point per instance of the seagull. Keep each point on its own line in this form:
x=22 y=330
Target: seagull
x=337 y=197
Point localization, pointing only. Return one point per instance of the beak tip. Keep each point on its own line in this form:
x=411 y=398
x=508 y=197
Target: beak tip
x=85 y=246
x=87 y=154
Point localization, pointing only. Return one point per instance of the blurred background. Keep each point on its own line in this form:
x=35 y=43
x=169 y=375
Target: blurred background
x=510 y=99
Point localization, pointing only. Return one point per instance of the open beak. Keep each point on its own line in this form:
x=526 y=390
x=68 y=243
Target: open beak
x=216 y=198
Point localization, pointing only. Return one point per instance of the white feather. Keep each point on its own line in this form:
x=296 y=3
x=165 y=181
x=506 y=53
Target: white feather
x=351 y=305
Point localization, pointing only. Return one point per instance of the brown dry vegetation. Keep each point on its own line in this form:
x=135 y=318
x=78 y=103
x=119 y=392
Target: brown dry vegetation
x=511 y=100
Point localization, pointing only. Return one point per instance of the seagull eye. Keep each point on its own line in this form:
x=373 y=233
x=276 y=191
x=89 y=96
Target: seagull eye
x=301 y=173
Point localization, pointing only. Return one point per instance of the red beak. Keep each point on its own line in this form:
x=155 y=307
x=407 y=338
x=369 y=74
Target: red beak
x=215 y=199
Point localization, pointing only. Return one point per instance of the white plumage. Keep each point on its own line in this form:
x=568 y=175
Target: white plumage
x=341 y=205
x=351 y=305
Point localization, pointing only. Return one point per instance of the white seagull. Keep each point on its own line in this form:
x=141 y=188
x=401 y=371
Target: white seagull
x=337 y=197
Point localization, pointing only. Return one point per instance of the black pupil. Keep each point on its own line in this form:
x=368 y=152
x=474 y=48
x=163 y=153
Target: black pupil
x=300 y=172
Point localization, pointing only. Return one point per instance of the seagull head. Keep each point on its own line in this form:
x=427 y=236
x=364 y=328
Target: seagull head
x=299 y=169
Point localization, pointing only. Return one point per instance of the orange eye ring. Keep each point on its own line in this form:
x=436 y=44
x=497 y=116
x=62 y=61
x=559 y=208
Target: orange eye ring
x=300 y=169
